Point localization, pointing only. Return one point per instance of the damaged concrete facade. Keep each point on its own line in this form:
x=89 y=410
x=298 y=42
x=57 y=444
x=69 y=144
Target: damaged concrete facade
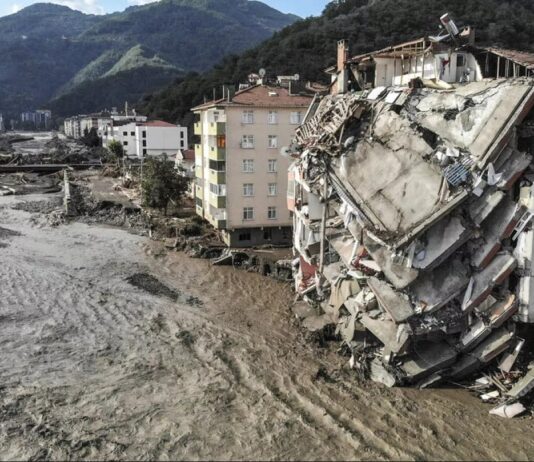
x=412 y=192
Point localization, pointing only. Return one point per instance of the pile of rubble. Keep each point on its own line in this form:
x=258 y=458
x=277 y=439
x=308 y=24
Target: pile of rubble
x=413 y=211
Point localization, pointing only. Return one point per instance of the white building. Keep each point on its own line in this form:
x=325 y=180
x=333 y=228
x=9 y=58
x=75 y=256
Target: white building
x=143 y=139
x=157 y=138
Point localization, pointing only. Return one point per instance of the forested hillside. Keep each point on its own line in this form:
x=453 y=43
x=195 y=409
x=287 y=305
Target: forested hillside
x=50 y=52
x=308 y=46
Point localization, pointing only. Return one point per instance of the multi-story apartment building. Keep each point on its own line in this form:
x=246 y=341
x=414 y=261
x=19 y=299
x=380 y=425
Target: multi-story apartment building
x=142 y=139
x=39 y=119
x=2 y=124
x=241 y=178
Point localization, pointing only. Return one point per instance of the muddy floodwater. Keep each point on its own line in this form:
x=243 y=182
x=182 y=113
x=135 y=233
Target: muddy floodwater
x=113 y=349
x=33 y=146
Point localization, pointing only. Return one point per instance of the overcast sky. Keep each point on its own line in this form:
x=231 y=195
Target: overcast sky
x=302 y=8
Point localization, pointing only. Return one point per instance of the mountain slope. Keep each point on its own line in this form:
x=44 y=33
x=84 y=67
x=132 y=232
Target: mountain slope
x=49 y=51
x=309 y=46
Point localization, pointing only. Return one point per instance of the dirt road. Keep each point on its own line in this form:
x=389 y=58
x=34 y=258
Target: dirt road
x=112 y=348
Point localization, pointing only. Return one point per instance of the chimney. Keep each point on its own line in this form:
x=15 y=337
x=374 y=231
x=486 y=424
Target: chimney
x=342 y=71
x=228 y=92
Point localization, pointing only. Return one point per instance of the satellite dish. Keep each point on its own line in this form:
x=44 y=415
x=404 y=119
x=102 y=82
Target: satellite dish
x=296 y=77
x=262 y=73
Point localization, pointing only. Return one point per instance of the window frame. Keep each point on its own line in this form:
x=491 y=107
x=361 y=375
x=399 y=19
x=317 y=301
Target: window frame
x=271 y=162
x=249 y=162
x=248 y=187
x=271 y=138
x=272 y=208
x=247 y=117
x=269 y=193
x=245 y=213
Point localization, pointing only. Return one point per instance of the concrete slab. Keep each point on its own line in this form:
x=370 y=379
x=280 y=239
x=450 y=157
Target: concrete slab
x=438 y=287
x=441 y=241
x=397 y=306
x=428 y=358
x=484 y=282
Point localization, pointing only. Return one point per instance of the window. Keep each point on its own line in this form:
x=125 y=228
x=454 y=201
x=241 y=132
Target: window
x=248 y=166
x=221 y=141
x=217 y=165
x=247 y=142
x=198 y=202
x=268 y=234
x=144 y=143
x=144 y=133
x=124 y=133
x=125 y=143
x=271 y=213
x=248 y=189
x=273 y=189
x=144 y=152
x=460 y=61
x=273 y=117
x=132 y=133
x=245 y=236
x=248 y=213
x=296 y=118
x=182 y=135
x=218 y=189
x=273 y=141
x=272 y=166
x=248 y=117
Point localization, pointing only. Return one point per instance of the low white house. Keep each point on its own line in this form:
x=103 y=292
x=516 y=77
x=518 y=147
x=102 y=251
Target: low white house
x=157 y=138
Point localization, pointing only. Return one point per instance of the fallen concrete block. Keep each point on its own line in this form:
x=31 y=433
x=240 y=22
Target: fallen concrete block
x=524 y=386
x=394 y=337
x=427 y=358
x=398 y=307
x=508 y=411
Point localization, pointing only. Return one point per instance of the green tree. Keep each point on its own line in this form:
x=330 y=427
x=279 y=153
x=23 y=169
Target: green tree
x=116 y=148
x=161 y=183
x=90 y=138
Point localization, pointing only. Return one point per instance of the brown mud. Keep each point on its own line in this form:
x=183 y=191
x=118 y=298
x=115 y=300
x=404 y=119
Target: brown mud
x=113 y=348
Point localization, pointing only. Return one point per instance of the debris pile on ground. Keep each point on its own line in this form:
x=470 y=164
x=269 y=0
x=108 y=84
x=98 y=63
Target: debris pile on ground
x=84 y=207
x=29 y=183
x=413 y=231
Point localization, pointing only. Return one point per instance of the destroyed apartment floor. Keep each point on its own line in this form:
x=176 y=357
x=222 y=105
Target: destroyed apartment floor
x=113 y=348
x=425 y=200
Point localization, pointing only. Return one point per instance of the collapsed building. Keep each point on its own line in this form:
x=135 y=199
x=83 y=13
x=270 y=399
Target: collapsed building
x=412 y=195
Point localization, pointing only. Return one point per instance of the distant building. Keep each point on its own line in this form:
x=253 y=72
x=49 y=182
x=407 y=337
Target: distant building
x=41 y=119
x=241 y=178
x=76 y=126
x=2 y=124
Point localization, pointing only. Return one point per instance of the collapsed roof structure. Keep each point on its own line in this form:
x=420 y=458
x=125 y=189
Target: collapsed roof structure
x=413 y=195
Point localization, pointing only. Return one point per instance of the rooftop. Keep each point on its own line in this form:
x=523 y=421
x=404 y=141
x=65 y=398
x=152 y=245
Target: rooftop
x=156 y=123
x=261 y=96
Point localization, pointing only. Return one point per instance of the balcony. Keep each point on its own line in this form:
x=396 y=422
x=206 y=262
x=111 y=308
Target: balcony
x=219 y=202
x=216 y=177
x=217 y=217
x=216 y=153
x=216 y=128
x=198 y=128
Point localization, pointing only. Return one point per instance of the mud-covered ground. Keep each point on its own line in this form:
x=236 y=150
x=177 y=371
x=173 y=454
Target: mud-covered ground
x=113 y=348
